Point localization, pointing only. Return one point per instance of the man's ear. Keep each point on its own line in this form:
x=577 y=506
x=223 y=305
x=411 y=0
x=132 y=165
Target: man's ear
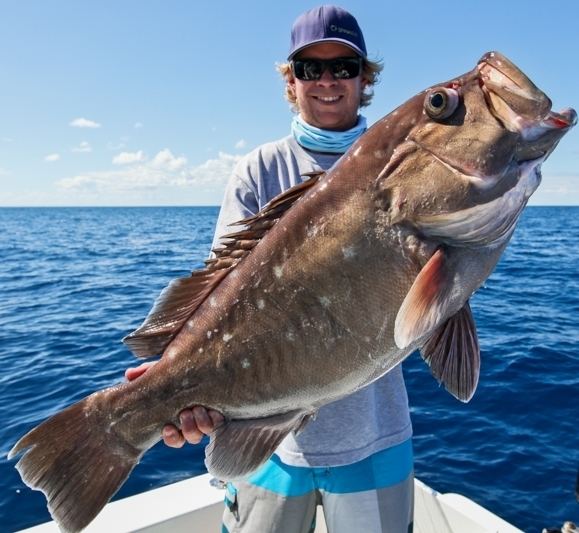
x=291 y=84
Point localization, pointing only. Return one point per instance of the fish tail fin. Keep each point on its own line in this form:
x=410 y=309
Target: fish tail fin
x=77 y=462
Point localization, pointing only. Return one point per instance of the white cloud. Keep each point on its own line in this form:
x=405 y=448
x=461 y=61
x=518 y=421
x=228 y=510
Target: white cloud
x=163 y=173
x=84 y=146
x=84 y=123
x=6 y=139
x=138 y=125
x=240 y=144
x=4 y=172
x=167 y=161
x=52 y=157
x=126 y=158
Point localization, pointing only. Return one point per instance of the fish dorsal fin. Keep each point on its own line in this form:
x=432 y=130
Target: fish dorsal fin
x=282 y=202
x=181 y=298
x=237 y=244
x=426 y=304
x=453 y=354
x=239 y=447
x=176 y=303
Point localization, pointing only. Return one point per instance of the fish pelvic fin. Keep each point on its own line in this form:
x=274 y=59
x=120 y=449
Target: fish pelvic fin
x=183 y=296
x=76 y=462
x=453 y=354
x=239 y=447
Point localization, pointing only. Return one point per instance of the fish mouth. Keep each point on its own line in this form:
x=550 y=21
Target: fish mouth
x=516 y=102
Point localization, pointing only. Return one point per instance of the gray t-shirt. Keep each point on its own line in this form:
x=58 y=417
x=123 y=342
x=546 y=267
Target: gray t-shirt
x=375 y=417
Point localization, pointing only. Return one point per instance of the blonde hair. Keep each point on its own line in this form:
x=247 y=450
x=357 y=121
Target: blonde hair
x=370 y=75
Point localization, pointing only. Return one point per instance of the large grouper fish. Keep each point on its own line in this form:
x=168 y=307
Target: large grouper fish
x=329 y=287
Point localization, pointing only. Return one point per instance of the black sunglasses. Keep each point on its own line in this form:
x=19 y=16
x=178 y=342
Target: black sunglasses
x=341 y=68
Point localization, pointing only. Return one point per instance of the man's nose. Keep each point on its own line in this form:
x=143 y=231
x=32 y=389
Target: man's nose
x=326 y=79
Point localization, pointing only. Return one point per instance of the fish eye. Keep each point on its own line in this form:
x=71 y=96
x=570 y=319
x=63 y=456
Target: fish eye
x=442 y=102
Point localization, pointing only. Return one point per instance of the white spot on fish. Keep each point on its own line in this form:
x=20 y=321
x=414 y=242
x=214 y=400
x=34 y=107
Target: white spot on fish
x=278 y=271
x=348 y=252
x=290 y=336
x=357 y=151
x=227 y=337
x=213 y=301
x=325 y=301
x=245 y=363
x=200 y=350
x=260 y=304
x=313 y=231
x=209 y=334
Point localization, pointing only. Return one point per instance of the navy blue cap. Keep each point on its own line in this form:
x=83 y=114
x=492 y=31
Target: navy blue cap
x=326 y=24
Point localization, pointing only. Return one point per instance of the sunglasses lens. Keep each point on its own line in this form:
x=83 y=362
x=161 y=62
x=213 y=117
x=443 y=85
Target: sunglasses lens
x=345 y=68
x=342 y=68
x=308 y=69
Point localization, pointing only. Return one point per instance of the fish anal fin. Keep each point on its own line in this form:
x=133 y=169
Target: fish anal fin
x=239 y=447
x=426 y=304
x=453 y=354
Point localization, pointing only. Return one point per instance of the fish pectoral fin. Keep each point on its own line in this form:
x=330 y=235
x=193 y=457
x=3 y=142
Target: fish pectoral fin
x=427 y=303
x=453 y=354
x=239 y=447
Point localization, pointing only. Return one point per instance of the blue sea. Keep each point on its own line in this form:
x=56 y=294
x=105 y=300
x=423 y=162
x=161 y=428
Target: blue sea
x=74 y=281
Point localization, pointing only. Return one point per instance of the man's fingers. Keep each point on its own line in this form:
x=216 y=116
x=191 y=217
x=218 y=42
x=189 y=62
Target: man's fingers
x=216 y=418
x=203 y=420
x=172 y=436
x=135 y=372
x=189 y=427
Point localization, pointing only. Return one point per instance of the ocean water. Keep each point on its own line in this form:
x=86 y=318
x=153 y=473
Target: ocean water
x=74 y=281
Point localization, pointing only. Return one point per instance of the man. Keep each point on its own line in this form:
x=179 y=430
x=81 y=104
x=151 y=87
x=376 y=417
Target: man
x=355 y=458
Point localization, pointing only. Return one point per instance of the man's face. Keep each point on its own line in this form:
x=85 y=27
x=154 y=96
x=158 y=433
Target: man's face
x=328 y=103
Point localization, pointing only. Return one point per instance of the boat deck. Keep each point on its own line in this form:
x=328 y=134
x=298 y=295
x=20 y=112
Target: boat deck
x=195 y=506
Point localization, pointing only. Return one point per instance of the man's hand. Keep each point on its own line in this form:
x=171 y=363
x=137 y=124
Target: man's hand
x=195 y=422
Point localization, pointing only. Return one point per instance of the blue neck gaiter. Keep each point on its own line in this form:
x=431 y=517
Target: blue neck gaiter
x=318 y=140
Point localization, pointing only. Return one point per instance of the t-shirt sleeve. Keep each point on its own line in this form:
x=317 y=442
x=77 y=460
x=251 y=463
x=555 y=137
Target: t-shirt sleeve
x=239 y=202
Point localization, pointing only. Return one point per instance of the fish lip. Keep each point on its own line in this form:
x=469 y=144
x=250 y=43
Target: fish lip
x=564 y=119
x=519 y=84
x=513 y=99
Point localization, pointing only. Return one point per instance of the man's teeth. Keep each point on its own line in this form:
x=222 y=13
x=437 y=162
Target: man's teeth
x=328 y=98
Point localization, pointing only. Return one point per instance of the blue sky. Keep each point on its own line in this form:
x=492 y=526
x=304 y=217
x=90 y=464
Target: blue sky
x=152 y=102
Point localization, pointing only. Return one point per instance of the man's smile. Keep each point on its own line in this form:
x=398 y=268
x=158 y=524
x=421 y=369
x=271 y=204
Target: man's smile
x=328 y=99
